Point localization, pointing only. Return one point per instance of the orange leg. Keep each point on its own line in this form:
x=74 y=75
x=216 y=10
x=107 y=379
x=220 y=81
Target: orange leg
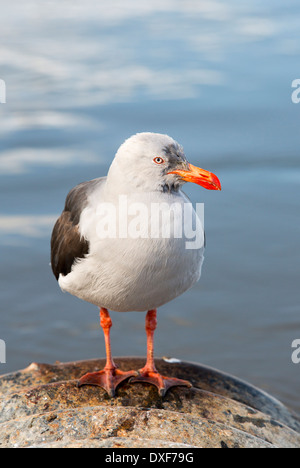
x=149 y=373
x=110 y=377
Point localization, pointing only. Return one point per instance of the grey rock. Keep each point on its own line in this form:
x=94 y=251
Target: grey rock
x=42 y=407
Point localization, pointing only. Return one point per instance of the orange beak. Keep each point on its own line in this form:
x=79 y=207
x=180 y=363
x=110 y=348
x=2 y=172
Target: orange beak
x=199 y=176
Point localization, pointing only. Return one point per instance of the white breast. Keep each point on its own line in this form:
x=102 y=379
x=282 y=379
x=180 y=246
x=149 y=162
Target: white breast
x=142 y=263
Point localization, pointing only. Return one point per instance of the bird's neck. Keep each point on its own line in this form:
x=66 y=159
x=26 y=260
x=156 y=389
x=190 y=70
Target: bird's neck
x=117 y=186
x=126 y=183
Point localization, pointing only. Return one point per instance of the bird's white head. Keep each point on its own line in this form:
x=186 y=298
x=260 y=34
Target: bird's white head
x=152 y=161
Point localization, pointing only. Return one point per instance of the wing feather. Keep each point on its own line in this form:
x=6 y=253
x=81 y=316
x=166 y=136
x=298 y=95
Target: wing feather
x=67 y=244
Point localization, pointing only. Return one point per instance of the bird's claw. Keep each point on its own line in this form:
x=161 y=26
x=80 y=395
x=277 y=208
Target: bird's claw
x=162 y=383
x=108 y=379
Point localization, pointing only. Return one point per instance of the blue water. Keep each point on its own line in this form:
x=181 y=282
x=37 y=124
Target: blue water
x=216 y=76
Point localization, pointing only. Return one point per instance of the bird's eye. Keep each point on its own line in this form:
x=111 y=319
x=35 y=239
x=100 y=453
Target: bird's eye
x=158 y=160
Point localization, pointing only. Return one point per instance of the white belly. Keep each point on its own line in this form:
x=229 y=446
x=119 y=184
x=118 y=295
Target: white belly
x=136 y=274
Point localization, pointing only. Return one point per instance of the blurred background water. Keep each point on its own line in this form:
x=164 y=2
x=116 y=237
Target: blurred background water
x=83 y=76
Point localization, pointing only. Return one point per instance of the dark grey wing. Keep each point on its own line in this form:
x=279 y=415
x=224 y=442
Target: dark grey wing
x=67 y=244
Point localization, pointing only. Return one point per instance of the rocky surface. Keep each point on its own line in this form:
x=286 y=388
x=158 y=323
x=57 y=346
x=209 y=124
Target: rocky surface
x=42 y=407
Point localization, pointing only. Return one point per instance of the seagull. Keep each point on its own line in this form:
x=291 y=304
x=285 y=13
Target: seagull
x=122 y=244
